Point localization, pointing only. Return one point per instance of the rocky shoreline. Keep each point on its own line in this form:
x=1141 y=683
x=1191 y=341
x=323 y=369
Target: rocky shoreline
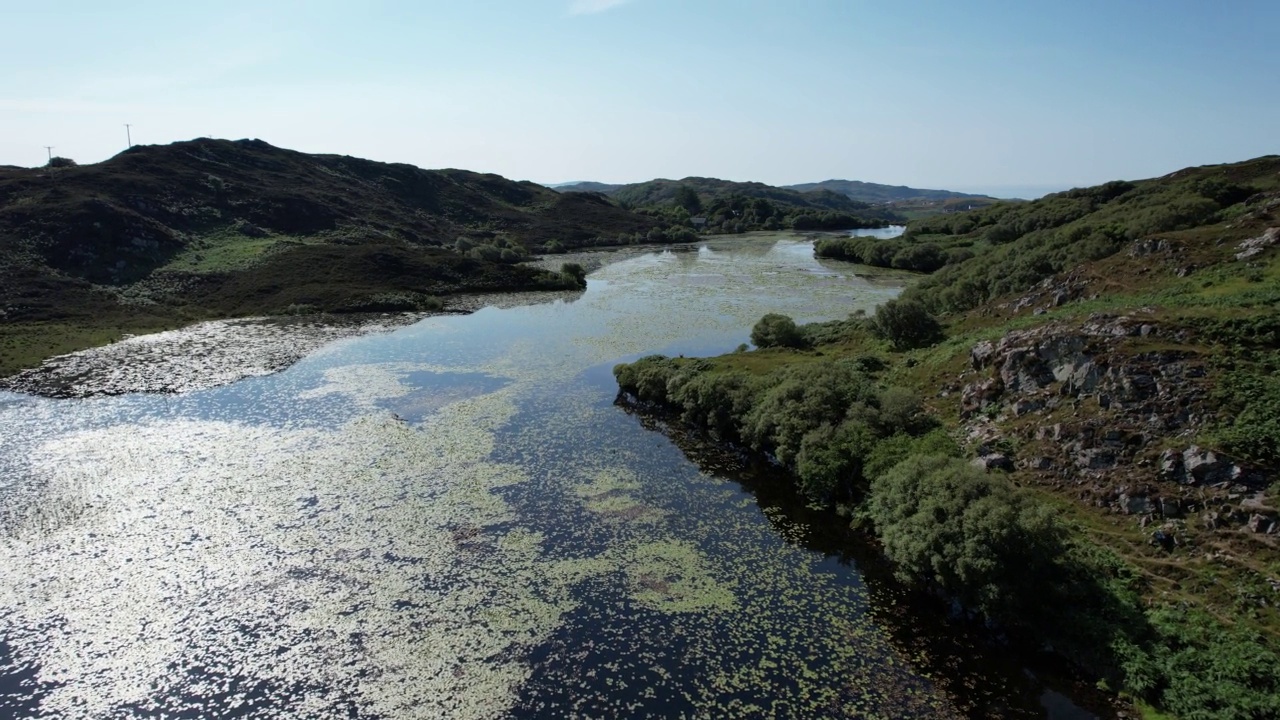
x=220 y=352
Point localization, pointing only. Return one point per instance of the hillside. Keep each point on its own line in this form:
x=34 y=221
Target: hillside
x=587 y=186
x=1071 y=426
x=877 y=193
x=734 y=207
x=161 y=235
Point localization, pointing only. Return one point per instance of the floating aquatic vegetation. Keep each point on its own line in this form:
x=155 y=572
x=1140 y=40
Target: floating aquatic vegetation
x=521 y=548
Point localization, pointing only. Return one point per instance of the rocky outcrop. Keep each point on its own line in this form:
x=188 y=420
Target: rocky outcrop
x=1107 y=409
x=1074 y=363
x=1255 y=246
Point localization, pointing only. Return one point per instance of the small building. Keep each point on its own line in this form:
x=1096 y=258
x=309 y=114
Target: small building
x=698 y=222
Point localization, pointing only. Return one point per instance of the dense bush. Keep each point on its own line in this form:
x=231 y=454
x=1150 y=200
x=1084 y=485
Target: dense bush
x=774 y=330
x=575 y=273
x=972 y=533
x=1200 y=670
x=1250 y=429
x=825 y=421
x=906 y=324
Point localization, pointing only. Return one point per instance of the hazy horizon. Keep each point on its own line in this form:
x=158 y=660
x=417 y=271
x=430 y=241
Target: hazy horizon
x=977 y=98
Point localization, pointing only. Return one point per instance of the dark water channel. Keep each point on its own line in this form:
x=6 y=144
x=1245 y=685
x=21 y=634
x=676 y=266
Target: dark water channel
x=456 y=520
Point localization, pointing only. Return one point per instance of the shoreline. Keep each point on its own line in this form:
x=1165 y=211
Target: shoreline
x=110 y=356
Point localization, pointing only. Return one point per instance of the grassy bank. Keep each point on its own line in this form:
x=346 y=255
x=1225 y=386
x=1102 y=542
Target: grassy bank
x=1069 y=426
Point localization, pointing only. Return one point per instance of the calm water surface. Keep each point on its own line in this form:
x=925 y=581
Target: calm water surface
x=883 y=233
x=452 y=520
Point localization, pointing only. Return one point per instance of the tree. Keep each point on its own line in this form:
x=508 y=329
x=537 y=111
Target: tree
x=61 y=162
x=774 y=330
x=943 y=520
x=687 y=198
x=906 y=324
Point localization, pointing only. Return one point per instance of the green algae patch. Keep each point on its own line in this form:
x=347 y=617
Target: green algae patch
x=673 y=577
x=525 y=551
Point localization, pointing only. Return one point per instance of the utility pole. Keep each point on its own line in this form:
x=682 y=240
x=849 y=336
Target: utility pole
x=50 y=149
x=128 y=135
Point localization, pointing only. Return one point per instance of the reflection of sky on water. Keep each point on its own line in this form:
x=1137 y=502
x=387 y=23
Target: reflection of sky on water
x=451 y=519
x=883 y=233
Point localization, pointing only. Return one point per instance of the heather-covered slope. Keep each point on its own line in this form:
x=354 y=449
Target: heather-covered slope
x=1070 y=425
x=161 y=235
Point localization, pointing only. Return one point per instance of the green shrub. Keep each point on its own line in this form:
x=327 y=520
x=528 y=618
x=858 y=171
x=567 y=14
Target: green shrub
x=829 y=463
x=774 y=330
x=1200 y=670
x=799 y=399
x=646 y=378
x=898 y=447
x=488 y=253
x=906 y=324
x=575 y=273
x=975 y=536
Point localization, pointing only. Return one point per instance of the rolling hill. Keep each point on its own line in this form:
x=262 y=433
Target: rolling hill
x=1070 y=425
x=162 y=235
x=881 y=194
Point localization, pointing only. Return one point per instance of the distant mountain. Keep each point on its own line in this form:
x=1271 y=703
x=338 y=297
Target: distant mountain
x=879 y=194
x=587 y=186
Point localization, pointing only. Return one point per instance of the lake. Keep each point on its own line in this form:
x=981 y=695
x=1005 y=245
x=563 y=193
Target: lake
x=884 y=233
x=455 y=520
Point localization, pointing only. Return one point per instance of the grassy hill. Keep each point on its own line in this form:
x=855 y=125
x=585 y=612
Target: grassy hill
x=883 y=194
x=162 y=235
x=1071 y=424
x=732 y=207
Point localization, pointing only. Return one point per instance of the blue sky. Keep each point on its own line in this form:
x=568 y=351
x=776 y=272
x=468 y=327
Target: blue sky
x=978 y=95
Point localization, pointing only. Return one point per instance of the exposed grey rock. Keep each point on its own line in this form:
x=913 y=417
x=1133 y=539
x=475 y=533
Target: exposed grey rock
x=1205 y=466
x=1022 y=407
x=248 y=229
x=1136 y=505
x=1255 y=246
x=1149 y=246
x=1170 y=507
x=977 y=396
x=1096 y=459
x=994 y=461
x=1259 y=523
x=1171 y=467
x=981 y=354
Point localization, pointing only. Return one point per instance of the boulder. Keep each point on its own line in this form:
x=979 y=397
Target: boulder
x=1206 y=467
x=981 y=354
x=1022 y=407
x=994 y=461
x=1171 y=467
x=1136 y=505
x=1022 y=370
x=977 y=396
x=1096 y=459
x=1259 y=523
x=1255 y=246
